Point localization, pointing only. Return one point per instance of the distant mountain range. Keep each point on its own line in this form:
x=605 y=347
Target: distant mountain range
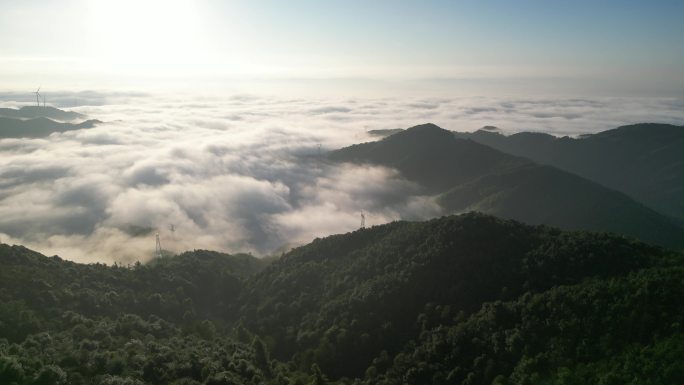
x=30 y=112
x=645 y=161
x=469 y=176
x=38 y=127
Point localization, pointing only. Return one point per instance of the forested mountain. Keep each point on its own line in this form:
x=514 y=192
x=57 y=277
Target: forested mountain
x=470 y=176
x=352 y=302
x=642 y=160
x=38 y=127
x=457 y=300
x=431 y=156
x=570 y=334
x=68 y=323
x=194 y=284
x=32 y=112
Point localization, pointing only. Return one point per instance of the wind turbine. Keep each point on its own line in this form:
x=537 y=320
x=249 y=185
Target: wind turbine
x=37 y=96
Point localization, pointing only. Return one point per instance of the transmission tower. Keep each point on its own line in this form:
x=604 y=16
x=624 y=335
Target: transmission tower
x=363 y=220
x=172 y=227
x=157 y=247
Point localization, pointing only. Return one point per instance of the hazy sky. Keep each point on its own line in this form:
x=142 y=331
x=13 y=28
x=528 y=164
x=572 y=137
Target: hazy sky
x=230 y=159
x=578 y=47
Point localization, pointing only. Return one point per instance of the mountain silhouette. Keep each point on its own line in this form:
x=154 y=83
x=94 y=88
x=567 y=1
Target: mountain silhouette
x=38 y=127
x=343 y=300
x=30 y=112
x=431 y=156
x=645 y=161
x=467 y=176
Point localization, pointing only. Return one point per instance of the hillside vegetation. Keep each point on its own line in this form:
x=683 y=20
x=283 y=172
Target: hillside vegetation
x=456 y=300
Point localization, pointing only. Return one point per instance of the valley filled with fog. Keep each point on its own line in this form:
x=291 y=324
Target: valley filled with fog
x=244 y=172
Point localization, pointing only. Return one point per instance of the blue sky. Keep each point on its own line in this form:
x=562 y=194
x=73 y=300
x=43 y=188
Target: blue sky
x=623 y=46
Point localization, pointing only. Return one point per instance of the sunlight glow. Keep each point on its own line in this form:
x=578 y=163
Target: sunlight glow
x=148 y=38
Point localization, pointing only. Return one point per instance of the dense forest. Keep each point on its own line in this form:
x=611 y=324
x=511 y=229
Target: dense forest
x=466 y=299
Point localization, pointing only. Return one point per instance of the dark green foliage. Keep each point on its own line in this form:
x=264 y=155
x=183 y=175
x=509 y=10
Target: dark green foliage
x=192 y=286
x=50 y=375
x=470 y=176
x=467 y=299
x=145 y=324
x=346 y=300
x=318 y=378
x=130 y=350
x=642 y=160
x=625 y=330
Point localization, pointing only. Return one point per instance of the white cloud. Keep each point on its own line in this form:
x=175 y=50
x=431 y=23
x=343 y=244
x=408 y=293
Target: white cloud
x=241 y=173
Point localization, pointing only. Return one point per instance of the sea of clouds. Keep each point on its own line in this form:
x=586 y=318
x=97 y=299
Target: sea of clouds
x=241 y=173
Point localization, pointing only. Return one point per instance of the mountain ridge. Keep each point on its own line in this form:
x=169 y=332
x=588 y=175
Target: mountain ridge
x=467 y=175
x=395 y=271
x=31 y=112
x=642 y=160
x=39 y=127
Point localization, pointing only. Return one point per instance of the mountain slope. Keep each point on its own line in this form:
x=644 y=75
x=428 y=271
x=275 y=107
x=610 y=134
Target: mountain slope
x=210 y=280
x=645 y=160
x=623 y=330
x=68 y=323
x=431 y=156
x=347 y=301
x=471 y=176
x=460 y=299
x=544 y=195
x=38 y=127
x=32 y=112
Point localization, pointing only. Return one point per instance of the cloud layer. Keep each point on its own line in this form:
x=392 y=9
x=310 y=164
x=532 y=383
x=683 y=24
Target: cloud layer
x=241 y=173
